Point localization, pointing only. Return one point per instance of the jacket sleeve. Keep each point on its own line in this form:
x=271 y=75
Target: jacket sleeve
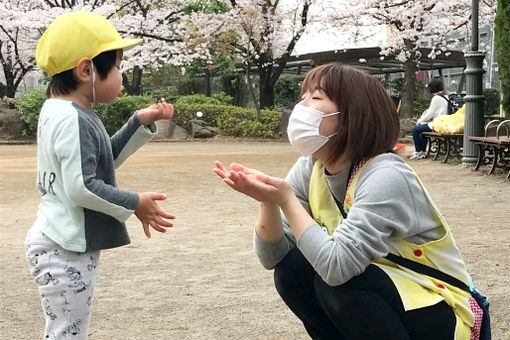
x=271 y=253
x=130 y=137
x=78 y=159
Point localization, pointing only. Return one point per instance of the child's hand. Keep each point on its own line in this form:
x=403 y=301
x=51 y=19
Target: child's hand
x=150 y=213
x=154 y=112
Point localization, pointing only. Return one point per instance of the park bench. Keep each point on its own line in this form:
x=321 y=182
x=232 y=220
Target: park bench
x=494 y=150
x=447 y=144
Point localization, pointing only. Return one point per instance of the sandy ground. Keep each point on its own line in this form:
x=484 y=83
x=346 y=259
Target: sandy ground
x=202 y=280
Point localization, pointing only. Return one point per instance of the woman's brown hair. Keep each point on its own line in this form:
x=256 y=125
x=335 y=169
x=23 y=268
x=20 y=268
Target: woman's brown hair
x=369 y=122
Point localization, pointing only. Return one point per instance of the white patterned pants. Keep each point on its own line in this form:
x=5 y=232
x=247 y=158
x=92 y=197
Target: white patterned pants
x=66 y=282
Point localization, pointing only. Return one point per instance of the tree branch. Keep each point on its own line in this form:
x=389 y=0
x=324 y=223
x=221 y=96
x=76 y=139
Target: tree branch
x=282 y=61
x=152 y=36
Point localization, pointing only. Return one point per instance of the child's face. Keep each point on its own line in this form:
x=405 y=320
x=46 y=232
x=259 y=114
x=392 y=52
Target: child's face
x=107 y=90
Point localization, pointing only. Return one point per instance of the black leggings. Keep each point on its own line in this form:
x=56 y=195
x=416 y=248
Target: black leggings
x=368 y=306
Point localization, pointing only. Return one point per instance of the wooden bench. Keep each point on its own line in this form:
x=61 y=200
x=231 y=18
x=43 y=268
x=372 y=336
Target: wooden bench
x=447 y=144
x=494 y=151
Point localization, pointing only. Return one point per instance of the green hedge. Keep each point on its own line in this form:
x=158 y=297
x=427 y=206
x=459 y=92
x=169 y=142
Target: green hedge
x=243 y=123
x=231 y=120
x=112 y=115
x=216 y=99
x=29 y=105
x=117 y=114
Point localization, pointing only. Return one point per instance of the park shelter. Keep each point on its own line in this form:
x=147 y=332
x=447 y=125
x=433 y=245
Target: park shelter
x=371 y=60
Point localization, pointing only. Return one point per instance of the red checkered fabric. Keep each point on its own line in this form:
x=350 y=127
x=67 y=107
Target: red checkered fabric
x=478 y=312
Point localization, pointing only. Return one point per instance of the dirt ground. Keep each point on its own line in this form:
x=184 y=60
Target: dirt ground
x=202 y=280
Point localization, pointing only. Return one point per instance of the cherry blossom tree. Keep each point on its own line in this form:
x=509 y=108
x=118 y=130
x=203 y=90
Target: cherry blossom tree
x=157 y=22
x=261 y=33
x=407 y=22
x=21 y=25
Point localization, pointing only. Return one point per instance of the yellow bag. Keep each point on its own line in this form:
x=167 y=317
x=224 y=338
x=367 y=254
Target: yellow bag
x=453 y=123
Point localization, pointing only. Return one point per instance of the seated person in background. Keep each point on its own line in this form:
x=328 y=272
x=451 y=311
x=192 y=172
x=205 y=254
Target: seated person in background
x=438 y=106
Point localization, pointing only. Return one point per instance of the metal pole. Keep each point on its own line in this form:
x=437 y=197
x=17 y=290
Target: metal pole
x=473 y=125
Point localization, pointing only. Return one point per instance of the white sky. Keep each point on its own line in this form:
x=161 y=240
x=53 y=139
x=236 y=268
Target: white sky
x=327 y=41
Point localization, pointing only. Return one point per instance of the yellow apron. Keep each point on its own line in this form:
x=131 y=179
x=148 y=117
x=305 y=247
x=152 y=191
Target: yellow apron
x=415 y=290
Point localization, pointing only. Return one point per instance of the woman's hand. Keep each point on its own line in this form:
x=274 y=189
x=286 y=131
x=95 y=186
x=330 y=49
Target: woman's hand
x=255 y=184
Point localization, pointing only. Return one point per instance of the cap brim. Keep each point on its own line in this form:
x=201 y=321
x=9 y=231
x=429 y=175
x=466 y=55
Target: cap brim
x=123 y=44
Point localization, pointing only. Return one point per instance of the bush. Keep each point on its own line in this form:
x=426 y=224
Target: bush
x=156 y=94
x=419 y=106
x=112 y=115
x=243 y=123
x=29 y=105
x=491 y=103
x=116 y=114
x=216 y=99
x=190 y=86
x=184 y=112
x=231 y=120
x=288 y=90
x=223 y=98
x=234 y=86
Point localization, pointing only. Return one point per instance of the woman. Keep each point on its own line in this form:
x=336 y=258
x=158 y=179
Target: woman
x=346 y=204
x=438 y=106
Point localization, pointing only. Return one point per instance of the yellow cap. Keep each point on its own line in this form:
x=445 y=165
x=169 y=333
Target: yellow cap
x=76 y=35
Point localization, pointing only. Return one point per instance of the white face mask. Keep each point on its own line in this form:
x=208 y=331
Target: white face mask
x=303 y=129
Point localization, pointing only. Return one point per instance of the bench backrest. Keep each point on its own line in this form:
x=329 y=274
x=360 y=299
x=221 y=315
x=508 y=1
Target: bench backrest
x=496 y=127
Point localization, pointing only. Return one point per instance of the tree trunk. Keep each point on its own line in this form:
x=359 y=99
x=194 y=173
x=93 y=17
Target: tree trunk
x=408 y=89
x=266 y=88
x=10 y=86
x=252 y=91
x=134 y=88
x=10 y=91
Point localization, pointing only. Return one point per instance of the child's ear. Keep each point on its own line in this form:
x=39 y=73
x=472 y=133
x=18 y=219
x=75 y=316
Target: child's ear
x=83 y=70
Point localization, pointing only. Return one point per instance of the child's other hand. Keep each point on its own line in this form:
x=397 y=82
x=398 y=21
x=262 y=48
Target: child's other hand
x=151 y=214
x=154 y=112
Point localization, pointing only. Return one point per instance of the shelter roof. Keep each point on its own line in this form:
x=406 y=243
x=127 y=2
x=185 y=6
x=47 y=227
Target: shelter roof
x=372 y=61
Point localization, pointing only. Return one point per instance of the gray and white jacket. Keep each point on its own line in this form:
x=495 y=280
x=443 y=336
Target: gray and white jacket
x=82 y=209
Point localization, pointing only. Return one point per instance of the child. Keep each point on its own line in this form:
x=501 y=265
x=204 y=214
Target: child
x=82 y=209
